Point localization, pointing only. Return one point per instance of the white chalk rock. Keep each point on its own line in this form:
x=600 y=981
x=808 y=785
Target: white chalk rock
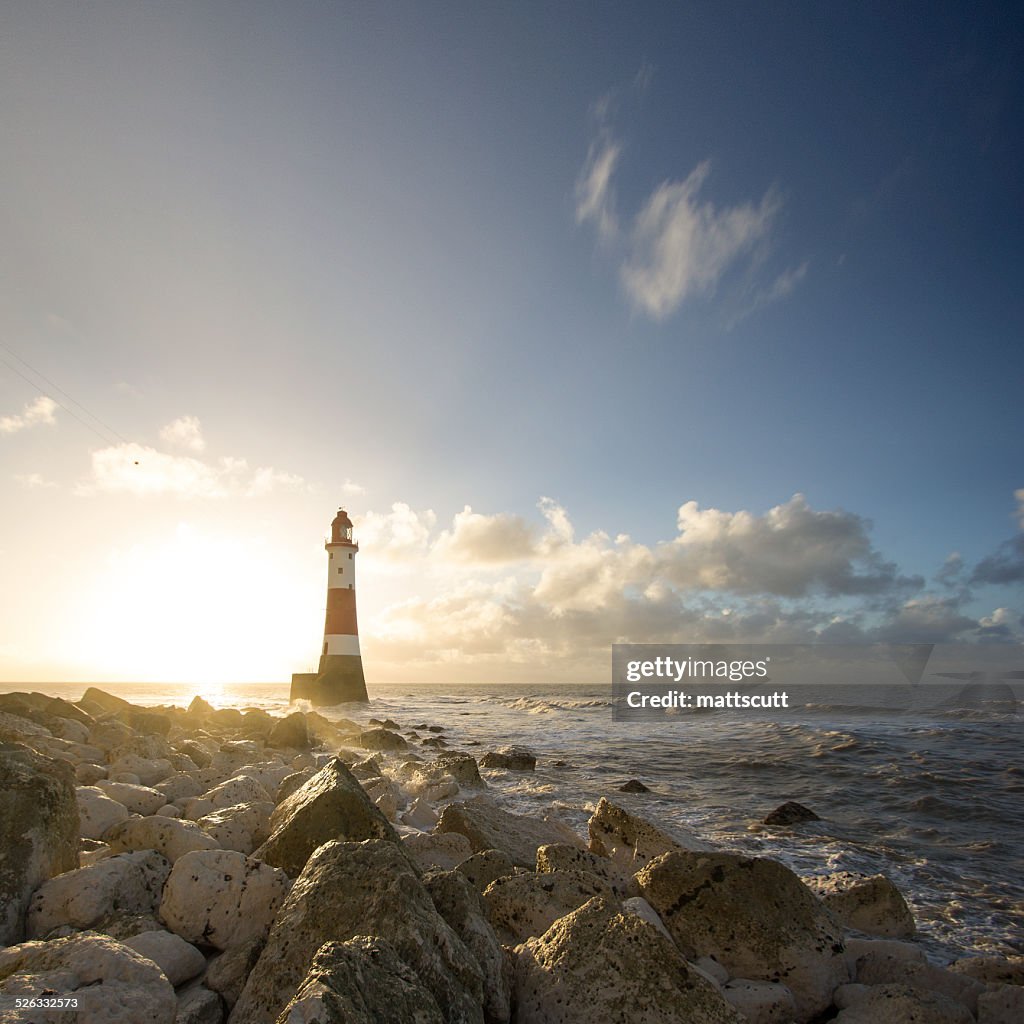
x=198 y=1005
x=439 y=851
x=111 y=983
x=899 y=1004
x=97 y=811
x=629 y=841
x=88 y=774
x=880 y=969
x=241 y=827
x=869 y=904
x=221 y=898
x=129 y=883
x=168 y=836
x=239 y=790
x=422 y=816
x=178 y=959
x=639 y=906
x=179 y=787
x=1001 y=1004
x=150 y=770
x=138 y=799
x=761 y=1002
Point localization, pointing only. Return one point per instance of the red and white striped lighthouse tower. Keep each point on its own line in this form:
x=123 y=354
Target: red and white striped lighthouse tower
x=340 y=674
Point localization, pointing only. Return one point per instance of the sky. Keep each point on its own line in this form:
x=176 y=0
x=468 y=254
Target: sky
x=659 y=323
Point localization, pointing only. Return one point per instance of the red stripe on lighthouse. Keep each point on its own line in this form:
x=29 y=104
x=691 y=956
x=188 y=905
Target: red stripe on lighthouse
x=341 y=612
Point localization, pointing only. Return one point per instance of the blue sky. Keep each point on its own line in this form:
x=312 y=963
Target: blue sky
x=428 y=256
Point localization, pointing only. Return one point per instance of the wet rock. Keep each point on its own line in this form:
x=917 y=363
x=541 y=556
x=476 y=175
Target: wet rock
x=39 y=830
x=752 y=915
x=242 y=827
x=459 y=903
x=350 y=889
x=290 y=733
x=138 y=799
x=633 y=786
x=515 y=759
x=761 y=1002
x=420 y=815
x=488 y=827
x=527 y=905
x=485 y=867
x=170 y=837
x=382 y=739
x=599 y=965
x=128 y=883
x=790 y=813
x=332 y=805
x=435 y=851
x=353 y=982
x=462 y=768
x=111 y=983
x=630 y=841
x=221 y=898
x=869 y=904
x=178 y=959
x=897 y=1004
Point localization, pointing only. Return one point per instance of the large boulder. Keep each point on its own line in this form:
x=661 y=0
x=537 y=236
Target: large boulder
x=630 y=841
x=350 y=889
x=899 y=1004
x=109 y=982
x=241 y=789
x=489 y=827
x=877 y=968
x=515 y=759
x=168 y=836
x=869 y=904
x=332 y=805
x=138 y=799
x=242 y=827
x=150 y=766
x=752 y=915
x=228 y=972
x=39 y=827
x=290 y=733
x=382 y=739
x=566 y=857
x=221 y=898
x=98 y=812
x=129 y=883
x=361 y=981
x=444 y=851
x=598 y=965
x=178 y=959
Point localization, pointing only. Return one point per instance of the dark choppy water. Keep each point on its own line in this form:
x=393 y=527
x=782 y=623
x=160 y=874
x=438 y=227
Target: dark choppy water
x=935 y=801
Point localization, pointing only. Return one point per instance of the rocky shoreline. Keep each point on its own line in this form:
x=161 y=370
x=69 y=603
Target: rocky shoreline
x=203 y=866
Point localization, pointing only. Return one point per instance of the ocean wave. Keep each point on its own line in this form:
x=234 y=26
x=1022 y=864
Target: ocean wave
x=542 y=706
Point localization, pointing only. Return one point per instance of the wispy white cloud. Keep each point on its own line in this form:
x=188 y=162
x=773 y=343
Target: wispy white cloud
x=594 y=198
x=39 y=411
x=184 y=432
x=33 y=481
x=351 y=487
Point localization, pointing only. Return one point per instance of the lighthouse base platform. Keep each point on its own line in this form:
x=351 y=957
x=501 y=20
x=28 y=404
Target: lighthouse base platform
x=339 y=681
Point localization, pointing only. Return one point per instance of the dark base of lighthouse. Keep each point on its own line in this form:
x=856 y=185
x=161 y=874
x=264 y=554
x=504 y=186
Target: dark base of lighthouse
x=339 y=681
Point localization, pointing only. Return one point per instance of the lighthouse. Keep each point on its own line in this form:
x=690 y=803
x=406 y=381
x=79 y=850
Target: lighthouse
x=339 y=677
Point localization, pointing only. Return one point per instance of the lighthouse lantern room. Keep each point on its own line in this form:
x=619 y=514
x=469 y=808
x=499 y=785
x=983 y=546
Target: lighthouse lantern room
x=339 y=677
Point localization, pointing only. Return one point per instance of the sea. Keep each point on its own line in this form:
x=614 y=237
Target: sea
x=932 y=798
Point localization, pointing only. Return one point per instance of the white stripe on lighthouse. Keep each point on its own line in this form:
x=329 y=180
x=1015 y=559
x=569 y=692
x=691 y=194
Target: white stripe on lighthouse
x=341 y=643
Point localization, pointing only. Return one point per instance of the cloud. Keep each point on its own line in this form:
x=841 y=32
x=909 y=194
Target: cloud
x=594 y=199
x=783 y=285
x=790 y=551
x=184 y=432
x=681 y=246
x=492 y=539
x=40 y=410
x=143 y=471
x=33 y=481
x=397 y=535
x=351 y=487
x=1006 y=563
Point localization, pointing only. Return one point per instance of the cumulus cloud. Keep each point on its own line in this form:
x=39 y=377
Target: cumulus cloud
x=39 y=411
x=184 y=432
x=1006 y=563
x=137 y=469
x=475 y=538
x=398 y=535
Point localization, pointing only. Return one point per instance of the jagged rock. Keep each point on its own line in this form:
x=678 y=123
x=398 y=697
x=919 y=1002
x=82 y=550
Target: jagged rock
x=231 y=756
x=221 y=898
x=39 y=828
x=437 y=851
x=291 y=783
x=488 y=827
x=752 y=915
x=199 y=707
x=485 y=867
x=515 y=759
x=633 y=786
x=111 y=983
x=87 y=774
x=361 y=981
x=196 y=752
x=598 y=965
x=459 y=903
x=198 y=1005
x=242 y=827
x=790 y=813
x=332 y=805
x=873 y=905
x=19 y=728
x=168 y=836
x=128 y=883
x=138 y=799
x=242 y=789
x=290 y=733
x=179 y=787
x=1003 y=1004
x=564 y=857
x=228 y=972
x=639 y=906
x=897 y=1004
x=230 y=718
x=525 y=905
x=381 y=739
x=463 y=768
x=421 y=815
x=629 y=841
x=991 y=970
x=107 y=701
x=879 y=969
x=349 y=889
x=178 y=959
x=761 y=1002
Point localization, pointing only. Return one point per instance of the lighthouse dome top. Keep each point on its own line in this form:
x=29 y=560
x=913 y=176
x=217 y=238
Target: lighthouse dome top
x=341 y=528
